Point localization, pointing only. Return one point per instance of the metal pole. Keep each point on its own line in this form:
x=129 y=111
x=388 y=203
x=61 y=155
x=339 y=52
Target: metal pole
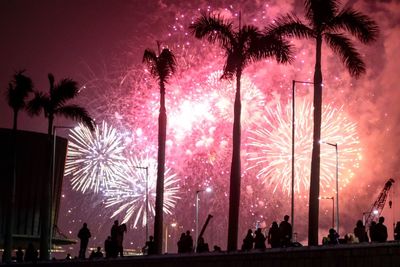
x=147 y=203
x=293 y=131
x=337 y=188
x=166 y=238
x=333 y=212
x=197 y=219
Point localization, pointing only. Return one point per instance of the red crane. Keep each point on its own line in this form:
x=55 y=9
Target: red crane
x=379 y=204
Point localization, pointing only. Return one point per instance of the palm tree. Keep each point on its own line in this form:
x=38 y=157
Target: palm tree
x=18 y=90
x=242 y=45
x=326 y=22
x=54 y=104
x=161 y=67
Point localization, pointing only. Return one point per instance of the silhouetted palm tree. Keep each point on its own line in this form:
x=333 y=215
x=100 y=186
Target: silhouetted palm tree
x=242 y=46
x=161 y=67
x=326 y=22
x=18 y=90
x=54 y=104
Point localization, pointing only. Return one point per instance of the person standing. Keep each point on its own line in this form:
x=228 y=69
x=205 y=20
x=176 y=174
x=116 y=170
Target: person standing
x=397 y=231
x=285 y=230
x=381 y=230
x=120 y=239
x=114 y=239
x=360 y=232
x=248 y=241
x=83 y=235
x=259 y=240
x=274 y=235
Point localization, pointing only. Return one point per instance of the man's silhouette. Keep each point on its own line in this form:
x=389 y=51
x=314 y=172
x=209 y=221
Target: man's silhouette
x=83 y=235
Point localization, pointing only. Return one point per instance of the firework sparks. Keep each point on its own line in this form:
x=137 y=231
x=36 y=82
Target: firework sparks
x=94 y=159
x=130 y=196
x=272 y=147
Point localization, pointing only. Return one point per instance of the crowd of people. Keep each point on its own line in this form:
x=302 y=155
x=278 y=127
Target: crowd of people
x=277 y=236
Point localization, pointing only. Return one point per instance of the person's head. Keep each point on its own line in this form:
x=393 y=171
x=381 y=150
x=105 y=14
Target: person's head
x=187 y=232
x=398 y=224
x=373 y=223
x=84 y=225
x=286 y=218
x=116 y=222
x=249 y=232
x=359 y=223
x=98 y=249
x=331 y=231
x=275 y=225
x=381 y=219
x=151 y=238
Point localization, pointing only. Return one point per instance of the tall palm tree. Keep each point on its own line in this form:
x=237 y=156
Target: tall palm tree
x=161 y=68
x=327 y=22
x=54 y=104
x=18 y=90
x=242 y=45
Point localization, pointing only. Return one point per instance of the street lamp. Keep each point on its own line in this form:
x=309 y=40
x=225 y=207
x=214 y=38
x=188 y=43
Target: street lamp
x=173 y=225
x=293 y=137
x=52 y=182
x=147 y=198
x=208 y=190
x=333 y=209
x=335 y=145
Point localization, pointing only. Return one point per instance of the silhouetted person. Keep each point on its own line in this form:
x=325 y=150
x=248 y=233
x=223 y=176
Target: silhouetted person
x=360 y=232
x=259 y=240
x=68 y=257
x=188 y=242
x=217 y=249
x=181 y=243
x=120 y=239
x=248 y=241
x=98 y=254
x=372 y=231
x=274 y=236
x=333 y=237
x=83 y=235
x=31 y=254
x=108 y=246
x=397 y=231
x=150 y=246
x=19 y=255
x=285 y=229
x=381 y=230
x=202 y=246
x=92 y=255
x=114 y=240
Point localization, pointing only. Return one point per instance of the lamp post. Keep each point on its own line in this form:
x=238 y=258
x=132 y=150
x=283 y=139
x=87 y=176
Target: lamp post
x=147 y=198
x=53 y=169
x=293 y=137
x=173 y=225
x=335 y=145
x=333 y=209
x=208 y=190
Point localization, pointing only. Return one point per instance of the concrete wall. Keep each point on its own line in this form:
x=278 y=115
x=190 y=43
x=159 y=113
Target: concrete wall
x=357 y=255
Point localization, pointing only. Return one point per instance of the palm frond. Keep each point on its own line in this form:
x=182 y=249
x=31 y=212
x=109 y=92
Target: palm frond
x=358 y=24
x=319 y=12
x=65 y=90
x=214 y=29
x=343 y=46
x=290 y=26
x=76 y=113
x=18 y=90
x=166 y=64
x=39 y=102
x=150 y=58
x=271 y=45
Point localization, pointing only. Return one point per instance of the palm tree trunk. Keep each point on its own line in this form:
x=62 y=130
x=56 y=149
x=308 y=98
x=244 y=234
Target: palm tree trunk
x=315 y=159
x=45 y=213
x=162 y=132
x=9 y=223
x=234 y=194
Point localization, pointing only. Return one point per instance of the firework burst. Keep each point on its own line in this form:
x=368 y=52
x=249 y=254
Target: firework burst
x=94 y=159
x=129 y=195
x=270 y=147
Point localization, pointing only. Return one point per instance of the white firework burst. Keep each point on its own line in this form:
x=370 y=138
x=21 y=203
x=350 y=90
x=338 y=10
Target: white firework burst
x=129 y=195
x=94 y=159
x=270 y=147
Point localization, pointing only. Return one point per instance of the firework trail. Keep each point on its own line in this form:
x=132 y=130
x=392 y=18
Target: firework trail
x=94 y=159
x=129 y=195
x=271 y=147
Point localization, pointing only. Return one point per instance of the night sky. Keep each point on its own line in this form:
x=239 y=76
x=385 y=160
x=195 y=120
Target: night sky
x=100 y=44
